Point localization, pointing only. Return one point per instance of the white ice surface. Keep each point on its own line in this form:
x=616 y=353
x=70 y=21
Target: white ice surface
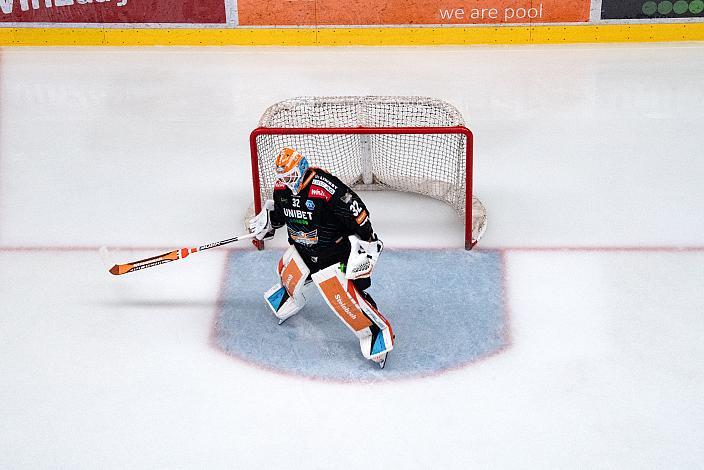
x=588 y=146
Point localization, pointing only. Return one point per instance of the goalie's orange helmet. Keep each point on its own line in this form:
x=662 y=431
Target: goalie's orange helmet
x=290 y=168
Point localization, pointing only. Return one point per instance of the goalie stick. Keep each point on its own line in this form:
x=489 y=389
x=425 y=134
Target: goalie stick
x=166 y=257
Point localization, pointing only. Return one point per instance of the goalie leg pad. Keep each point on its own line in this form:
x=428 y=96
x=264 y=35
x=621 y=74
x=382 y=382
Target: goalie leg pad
x=282 y=304
x=372 y=329
x=293 y=271
x=286 y=297
x=382 y=338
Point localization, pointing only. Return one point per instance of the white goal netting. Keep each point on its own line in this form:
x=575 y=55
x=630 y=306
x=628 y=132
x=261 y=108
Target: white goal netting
x=411 y=144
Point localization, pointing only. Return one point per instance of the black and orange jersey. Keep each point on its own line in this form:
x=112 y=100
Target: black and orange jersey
x=321 y=216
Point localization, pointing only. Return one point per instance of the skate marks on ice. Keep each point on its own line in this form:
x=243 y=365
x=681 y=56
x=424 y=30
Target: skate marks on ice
x=446 y=308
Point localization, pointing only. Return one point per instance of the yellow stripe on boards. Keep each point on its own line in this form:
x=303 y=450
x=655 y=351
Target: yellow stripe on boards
x=618 y=33
x=398 y=36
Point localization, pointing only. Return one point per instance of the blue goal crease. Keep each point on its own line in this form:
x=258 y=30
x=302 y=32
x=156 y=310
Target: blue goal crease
x=445 y=313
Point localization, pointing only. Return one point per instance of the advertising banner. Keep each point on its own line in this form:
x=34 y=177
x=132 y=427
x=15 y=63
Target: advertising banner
x=112 y=11
x=409 y=12
x=640 y=9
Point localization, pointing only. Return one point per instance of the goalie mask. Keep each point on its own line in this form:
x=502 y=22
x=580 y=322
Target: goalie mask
x=290 y=168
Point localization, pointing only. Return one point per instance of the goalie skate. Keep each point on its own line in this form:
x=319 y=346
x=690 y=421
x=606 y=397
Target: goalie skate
x=381 y=360
x=376 y=345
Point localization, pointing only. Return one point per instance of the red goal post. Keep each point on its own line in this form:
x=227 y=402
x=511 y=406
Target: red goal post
x=433 y=160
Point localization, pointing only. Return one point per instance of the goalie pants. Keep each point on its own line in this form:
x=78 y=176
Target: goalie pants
x=316 y=263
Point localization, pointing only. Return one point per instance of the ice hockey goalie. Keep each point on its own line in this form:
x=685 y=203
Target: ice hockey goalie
x=332 y=245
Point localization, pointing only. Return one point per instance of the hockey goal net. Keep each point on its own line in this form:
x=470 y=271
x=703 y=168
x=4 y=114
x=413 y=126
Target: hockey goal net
x=400 y=143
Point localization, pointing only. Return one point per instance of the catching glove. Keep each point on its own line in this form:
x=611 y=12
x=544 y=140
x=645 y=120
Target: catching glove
x=363 y=257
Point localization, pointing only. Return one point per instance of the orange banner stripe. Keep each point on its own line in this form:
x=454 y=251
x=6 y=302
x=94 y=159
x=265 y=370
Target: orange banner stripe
x=409 y=12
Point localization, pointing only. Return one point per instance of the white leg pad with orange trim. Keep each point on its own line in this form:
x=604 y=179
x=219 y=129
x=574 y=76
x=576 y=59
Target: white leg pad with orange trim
x=286 y=297
x=373 y=331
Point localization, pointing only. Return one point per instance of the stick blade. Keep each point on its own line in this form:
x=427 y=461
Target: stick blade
x=121 y=269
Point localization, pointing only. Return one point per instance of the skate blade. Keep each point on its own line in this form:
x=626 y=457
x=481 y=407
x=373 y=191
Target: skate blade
x=381 y=361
